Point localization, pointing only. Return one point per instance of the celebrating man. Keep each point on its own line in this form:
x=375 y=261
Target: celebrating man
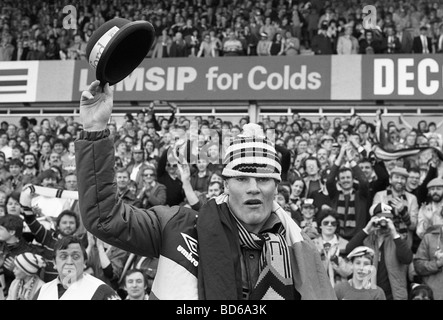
x=201 y=254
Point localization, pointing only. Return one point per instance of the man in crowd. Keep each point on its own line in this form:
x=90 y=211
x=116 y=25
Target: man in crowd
x=212 y=268
x=350 y=201
x=72 y=283
x=404 y=204
x=393 y=253
x=430 y=214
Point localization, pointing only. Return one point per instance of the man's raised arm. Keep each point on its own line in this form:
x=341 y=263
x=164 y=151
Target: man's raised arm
x=111 y=220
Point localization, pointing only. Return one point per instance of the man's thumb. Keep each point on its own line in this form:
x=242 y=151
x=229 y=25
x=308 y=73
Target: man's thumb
x=86 y=95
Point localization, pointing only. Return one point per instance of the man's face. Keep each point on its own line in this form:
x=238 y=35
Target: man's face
x=135 y=285
x=308 y=212
x=29 y=161
x=202 y=164
x=55 y=159
x=70 y=263
x=345 y=180
x=436 y=193
x=413 y=180
x=58 y=147
x=322 y=155
x=311 y=167
x=71 y=182
x=138 y=156
x=327 y=144
x=11 y=131
x=214 y=191
x=122 y=179
x=129 y=143
x=367 y=169
x=67 y=225
x=4 y=140
x=16 y=153
x=251 y=200
x=15 y=170
x=49 y=182
x=398 y=182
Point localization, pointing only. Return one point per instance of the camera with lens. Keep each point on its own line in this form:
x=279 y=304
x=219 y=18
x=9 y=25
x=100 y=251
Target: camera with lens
x=381 y=223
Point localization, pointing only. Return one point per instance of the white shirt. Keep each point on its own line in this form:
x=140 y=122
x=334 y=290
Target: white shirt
x=135 y=171
x=424 y=41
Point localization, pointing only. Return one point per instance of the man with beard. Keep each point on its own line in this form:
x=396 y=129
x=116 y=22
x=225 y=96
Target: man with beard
x=431 y=213
x=30 y=171
x=323 y=157
x=418 y=189
x=405 y=206
x=350 y=201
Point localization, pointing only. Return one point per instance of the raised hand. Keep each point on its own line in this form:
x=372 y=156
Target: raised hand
x=96 y=107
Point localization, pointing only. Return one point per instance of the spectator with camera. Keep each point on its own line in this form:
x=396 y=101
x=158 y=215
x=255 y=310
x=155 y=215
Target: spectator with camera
x=392 y=251
x=404 y=204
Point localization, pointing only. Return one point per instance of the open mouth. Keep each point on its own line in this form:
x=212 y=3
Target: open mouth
x=253 y=202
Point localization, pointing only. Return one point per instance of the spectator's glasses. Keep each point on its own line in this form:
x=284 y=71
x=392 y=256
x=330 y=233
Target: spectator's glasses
x=331 y=223
x=171 y=165
x=148 y=175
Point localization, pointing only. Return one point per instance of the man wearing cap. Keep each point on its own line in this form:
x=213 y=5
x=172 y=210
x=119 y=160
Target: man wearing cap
x=431 y=213
x=326 y=142
x=363 y=284
x=404 y=203
x=213 y=253
x=392 y=251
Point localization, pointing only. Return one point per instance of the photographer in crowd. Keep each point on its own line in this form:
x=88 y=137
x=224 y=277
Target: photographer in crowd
x=392 y=252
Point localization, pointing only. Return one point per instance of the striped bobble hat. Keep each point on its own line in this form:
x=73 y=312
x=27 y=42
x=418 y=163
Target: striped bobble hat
x=30 y=263
x=251 y=154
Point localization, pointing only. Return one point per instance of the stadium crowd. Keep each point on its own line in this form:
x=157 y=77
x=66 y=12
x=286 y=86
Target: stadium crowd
x=339 y=176
x=42 y=30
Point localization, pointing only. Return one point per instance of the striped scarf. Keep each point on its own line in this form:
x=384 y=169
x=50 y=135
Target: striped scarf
x=275 y=274
x=383 y=154
x=346 y=212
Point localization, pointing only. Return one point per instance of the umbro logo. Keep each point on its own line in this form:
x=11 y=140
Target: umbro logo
x=189 y=254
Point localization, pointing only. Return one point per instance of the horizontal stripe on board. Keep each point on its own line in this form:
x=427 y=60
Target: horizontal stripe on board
x=10 y=83
x=13 y=72
x=12 y=92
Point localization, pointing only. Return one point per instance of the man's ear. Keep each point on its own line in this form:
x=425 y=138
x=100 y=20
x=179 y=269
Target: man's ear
x=225 y=186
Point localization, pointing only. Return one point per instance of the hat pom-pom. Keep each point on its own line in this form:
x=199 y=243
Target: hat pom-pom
x=253 y=130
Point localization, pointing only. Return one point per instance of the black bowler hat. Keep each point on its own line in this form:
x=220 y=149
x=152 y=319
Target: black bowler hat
x=117 y=47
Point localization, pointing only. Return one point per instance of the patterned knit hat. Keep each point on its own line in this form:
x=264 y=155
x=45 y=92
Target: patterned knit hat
x=251 y=154
x=29 y=263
